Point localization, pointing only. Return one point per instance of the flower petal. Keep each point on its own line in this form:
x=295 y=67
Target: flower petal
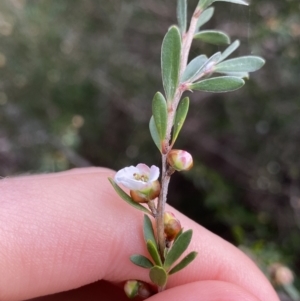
x=143 y=169
x=133 y=184
x=154 y=173
x=127 y=178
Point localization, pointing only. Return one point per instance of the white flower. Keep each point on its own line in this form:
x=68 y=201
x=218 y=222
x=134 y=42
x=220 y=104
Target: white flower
x=139 y=178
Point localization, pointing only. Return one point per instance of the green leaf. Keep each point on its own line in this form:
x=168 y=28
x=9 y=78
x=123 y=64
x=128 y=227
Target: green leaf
x=179 y=246
x=182 y=15
x=154 y=133
x=193 y=67
x=237 y=74
x=230 y=49
x=205 y=17
x=127 y=198
x=218 y=84
x=203 y=4
x=213 y=37
x=153 y=251
x=178 y=234
x=158 y=276
x=184 y=262
x=141 y=261
x=241 y=64
x=148 y=230
x=207 y=67
x=242 y=2
x=170 y=61
x=160 y=114
x=180 y=116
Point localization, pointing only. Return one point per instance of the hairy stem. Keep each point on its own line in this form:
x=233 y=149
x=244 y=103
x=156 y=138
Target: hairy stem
x=187 y=39
x=165 y=179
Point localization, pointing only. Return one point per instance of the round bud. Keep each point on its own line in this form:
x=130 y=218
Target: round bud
x=144 y=196
x=138 y=197
x=281 y=275
x=172 y=226
x=134 y=288
x=180 y=159
x=145 y=291
x=131 y=288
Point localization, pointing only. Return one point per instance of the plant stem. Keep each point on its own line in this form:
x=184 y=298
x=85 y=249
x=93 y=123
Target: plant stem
x=187 y=39
x=165 y=179
x=291 y=290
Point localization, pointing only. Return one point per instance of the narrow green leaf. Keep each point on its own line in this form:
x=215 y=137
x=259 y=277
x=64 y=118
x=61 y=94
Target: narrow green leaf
x=230 y=49
x=193 y=67
x=241 y=64
x=213 y=37
x=205 y=16
x=218 y=84
x=292 y=291
x=160 y=114
x=179 y=246
x=242 y=2
x=182 y=15
x=181 y=113
x=154 y=133
x=148 y=230
x=203 y=4
x=158 y=276
x=170 y=61
x=236 y=74
x=127 y=198
x=178 y=234
x=153 y=251
x=141 y=261
x=184 y=262
x=207 y=67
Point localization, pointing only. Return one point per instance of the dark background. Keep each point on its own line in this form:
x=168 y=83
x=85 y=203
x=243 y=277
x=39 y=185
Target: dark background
x=76 y=84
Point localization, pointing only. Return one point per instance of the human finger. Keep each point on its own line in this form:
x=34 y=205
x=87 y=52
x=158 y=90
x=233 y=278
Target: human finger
x=209 y=290
x=67 y=230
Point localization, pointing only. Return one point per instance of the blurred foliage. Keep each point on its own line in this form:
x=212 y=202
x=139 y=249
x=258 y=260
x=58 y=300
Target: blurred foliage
x=76 y=83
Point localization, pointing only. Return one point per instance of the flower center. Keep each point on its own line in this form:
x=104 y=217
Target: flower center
x=139 y=177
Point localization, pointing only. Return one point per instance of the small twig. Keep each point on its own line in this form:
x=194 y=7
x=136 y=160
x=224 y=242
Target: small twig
x=187 y=39
x=172 y=107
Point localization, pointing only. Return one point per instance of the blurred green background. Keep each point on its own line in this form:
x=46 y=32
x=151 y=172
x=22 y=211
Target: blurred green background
x=76 y=83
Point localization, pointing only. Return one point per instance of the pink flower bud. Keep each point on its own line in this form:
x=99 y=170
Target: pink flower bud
x=281 y=275
x=180 y=159
x=146 y=195
x=172 y=226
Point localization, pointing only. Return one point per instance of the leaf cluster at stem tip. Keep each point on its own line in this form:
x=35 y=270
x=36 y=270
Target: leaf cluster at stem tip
x=201 y=73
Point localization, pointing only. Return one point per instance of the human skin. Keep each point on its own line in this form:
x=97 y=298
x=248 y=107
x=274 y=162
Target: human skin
x=62 y=231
